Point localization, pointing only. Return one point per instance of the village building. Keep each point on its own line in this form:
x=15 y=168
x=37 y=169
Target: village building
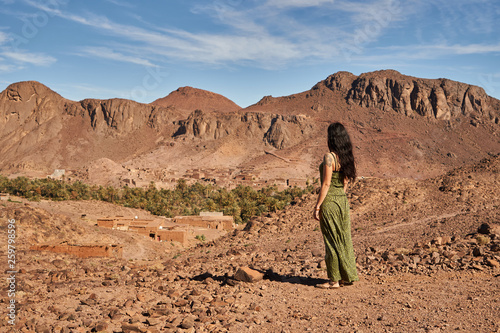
x=176 y=229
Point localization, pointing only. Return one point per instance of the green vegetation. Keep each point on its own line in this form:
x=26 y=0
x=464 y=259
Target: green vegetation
x=201 y=238
x=242 y=202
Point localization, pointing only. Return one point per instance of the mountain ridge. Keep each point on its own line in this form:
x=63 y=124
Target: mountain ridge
x=401 y=126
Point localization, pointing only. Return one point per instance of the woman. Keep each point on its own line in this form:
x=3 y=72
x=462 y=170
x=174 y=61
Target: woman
x=332 y=208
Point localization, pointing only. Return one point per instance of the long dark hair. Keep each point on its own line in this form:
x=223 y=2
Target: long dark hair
x=339 y=142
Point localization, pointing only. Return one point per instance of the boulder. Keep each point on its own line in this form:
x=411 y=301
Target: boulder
x=247 y=274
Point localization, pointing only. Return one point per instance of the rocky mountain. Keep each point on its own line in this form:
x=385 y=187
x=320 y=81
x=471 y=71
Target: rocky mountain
x=392 y=91
x=400 y=126
x=41 y=131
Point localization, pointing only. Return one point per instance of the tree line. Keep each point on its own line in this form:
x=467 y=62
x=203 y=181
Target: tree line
x=241 y=202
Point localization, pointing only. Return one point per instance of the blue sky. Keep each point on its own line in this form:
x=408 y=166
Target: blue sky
x=242 y=49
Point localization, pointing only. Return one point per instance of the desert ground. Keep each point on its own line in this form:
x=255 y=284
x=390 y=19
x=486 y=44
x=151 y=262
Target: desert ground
x=427 y=256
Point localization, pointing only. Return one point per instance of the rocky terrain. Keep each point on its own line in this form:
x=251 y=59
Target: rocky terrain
x=400 y=125
x=427 y=255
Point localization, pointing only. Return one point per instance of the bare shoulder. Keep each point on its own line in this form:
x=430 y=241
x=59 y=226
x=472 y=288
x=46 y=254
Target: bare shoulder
x=328 y=159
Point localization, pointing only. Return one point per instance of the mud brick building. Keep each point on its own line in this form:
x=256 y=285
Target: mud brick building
x=83 y=251
x=163 y=230
x=209 y=222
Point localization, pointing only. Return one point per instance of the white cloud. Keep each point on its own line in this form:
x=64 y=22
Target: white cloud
x=298 y=3
x=92 y=90
x=4 y=68
x=432 y=51
x=266 y=35
x=3 y=37
x=468 y=49
x=380 y=11
x=121 y=3
x=107 y=53
x=204 y=48
x=30 y=58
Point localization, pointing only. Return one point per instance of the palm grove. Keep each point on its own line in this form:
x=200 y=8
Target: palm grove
x=242 y=202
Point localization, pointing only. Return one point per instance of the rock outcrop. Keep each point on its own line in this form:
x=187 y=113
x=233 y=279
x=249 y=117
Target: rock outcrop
x=278 y=131
x=389 y=90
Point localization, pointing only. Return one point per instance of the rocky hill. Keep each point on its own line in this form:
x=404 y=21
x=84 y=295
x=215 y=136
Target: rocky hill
x=400 y=125
x=189 y=99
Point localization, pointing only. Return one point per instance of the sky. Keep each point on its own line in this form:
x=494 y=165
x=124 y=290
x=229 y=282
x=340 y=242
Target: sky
x=241 y=49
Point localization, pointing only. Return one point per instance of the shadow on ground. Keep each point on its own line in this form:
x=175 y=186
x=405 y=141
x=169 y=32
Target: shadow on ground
x=268 y=275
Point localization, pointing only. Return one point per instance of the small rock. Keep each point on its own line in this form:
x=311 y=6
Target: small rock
x=101 y=326
x=137 y=327
x=317 y=253
x=208 y=280
x=141 y=297
x=42 y=329
x=438 y=241
x=195 y=292
x=219 y=303
x=232 y=282
x=187 y=322
x=477 y=252
x=128 y=303
x=58 y=263
x=181 y=302
x=87 y=322
x=247 y=274
x=492 y=263
x=484 y=229
x=153 y=321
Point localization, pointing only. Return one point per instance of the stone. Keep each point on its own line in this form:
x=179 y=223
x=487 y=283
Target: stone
x=317 y=252
x=181 y=303
x=492 y=263
x=187 y=322
x=141 y=297
x=247 y=274
x=101 y=326
x=438 y=241
x=153 y=321
x=195 y=292
x=137 y=327
x=232 y=282
x=58 y=263
x=484 y=229
x=42 y=329
x=477 y=252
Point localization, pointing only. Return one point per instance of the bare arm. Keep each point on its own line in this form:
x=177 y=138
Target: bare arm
x=325 y=183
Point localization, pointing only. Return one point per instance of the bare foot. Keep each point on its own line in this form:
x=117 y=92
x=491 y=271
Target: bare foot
x=328 y=285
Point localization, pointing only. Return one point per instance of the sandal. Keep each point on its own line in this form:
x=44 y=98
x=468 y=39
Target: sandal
x=345 y=283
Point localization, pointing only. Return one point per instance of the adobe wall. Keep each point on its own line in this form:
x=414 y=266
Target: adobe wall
x=124 y=223
x=83 y=251
x=172 y=236
x=209 y=222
